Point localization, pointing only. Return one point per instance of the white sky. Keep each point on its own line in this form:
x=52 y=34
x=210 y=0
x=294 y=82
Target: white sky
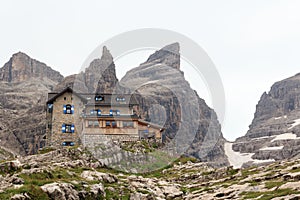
x=252 y=43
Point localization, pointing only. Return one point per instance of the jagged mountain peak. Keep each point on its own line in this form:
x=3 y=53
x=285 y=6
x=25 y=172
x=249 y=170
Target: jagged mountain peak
x=19 y=54
x=99 y=76
x=106 y=55
x=159 y=81
x=168 y=55
x=174 y=47
x=21 y=67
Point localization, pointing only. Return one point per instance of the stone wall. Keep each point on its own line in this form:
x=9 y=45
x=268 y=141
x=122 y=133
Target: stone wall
x=59 y=118
x=90 y=140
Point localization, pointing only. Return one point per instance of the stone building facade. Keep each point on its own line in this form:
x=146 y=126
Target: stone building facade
x=75 y=119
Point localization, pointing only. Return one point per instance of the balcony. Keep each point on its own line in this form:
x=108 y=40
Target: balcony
x=93 y=116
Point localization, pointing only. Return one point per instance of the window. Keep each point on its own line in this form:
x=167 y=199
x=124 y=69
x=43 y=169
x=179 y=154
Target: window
x=111 y=124
x=68 y=109
x=95 y=112
x=50 y=108
x=114 y=124
x=65 y=98
x=68 y=128
x=107 y=123
x=90 y=123
x=128 y=124
x=68 y=143
x=93 y=123
x=114 y=112
x=120 y=99
x=99 y=98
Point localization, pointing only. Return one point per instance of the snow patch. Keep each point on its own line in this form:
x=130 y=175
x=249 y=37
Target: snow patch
x=237 y=159
x=263 y=137
x=271 y=148
x=255 y=161
x=296 y=123
x=277 y=118
x=285 y=136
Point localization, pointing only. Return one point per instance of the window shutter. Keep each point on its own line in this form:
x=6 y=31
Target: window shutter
x=72 y=109
x=111 y=112
x=63 y=128
x=65 y=109
x=99 y=112
x=92 y=112
x=118 y=112
x=72 y=128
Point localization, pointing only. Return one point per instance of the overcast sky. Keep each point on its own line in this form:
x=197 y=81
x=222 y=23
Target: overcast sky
x=252 y=43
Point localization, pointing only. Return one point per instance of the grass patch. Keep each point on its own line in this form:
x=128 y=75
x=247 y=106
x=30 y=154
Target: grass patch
x=269 y=194
x=273 y=184
x=33 y=191
x=46 y=150
x=231 y=172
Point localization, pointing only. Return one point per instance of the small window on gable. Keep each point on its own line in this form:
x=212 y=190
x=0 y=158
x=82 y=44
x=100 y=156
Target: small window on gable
x=65 y=98
x=67 y=143
x=68 y=109
x=99 y=98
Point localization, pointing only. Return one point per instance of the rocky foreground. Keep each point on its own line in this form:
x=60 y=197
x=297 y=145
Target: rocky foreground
x=74 y=174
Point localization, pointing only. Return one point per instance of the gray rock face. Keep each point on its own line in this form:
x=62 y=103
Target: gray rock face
x=274 y=132
x=22 y=68
x=166 y=98
x=164 y=95
x=99 y=77
x=24 y=84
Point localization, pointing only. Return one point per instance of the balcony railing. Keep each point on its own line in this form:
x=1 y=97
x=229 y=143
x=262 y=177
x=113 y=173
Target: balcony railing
x=107 y=115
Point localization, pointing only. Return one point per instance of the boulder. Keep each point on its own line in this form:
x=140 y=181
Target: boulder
x=60 y=191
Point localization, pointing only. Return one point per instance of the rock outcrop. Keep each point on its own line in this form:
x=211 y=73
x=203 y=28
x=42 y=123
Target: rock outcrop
x=24 y=84
x=99 y=77
x=74 y=174
x=22 y=68
x=274 y=133
x=166 y=98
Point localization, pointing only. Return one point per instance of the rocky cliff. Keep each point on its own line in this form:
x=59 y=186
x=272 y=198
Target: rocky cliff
x=166 y=98
x=24 y=84
x=98 y=77
x=164 y=95
x=274 y=132
x=21 y=67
